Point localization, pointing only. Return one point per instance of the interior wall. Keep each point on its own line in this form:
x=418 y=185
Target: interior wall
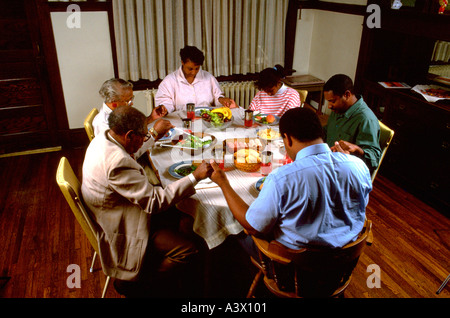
x=327 y=43
x=85 y=61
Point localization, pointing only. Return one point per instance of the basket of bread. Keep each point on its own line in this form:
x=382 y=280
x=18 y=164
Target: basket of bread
x=247 y=160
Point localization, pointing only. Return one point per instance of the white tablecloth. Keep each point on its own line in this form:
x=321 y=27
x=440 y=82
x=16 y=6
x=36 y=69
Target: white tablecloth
x=213 y=220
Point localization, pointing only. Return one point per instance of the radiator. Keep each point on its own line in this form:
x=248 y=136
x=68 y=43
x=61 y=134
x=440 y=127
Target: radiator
x=241 y=92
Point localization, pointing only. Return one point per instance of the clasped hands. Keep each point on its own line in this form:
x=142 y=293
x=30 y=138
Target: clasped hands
x=347 y=148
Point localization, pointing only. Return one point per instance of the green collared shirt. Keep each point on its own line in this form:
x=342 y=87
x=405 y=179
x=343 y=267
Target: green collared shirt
x=358 y=125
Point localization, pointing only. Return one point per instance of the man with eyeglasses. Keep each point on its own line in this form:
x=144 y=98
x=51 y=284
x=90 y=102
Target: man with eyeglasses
x=118 y=92
x=138 y=238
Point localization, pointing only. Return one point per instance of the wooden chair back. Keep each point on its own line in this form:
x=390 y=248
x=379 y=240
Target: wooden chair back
x=386 y=135
x=310 y=272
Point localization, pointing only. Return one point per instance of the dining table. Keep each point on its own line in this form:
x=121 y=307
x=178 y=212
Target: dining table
x=212 y=218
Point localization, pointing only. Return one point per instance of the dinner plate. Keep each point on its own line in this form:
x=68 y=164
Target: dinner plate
x=167 y=136
x=177 y=166
x=263 y=133
x=277 y=119
x=258 y=183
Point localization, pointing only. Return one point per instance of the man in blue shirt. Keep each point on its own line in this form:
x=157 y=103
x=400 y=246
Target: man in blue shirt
x=318 y=200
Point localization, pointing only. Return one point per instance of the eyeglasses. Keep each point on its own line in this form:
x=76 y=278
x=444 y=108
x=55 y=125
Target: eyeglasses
x=146 y=136
x=130 y=101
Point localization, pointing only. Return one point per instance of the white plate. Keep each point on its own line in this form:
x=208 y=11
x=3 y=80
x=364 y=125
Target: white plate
x=260 y=133
x=277 y=119
x=258 y=183
x=167 y=136
x=179 y=165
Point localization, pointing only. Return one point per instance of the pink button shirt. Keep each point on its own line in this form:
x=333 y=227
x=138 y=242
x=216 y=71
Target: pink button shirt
x=175 y=92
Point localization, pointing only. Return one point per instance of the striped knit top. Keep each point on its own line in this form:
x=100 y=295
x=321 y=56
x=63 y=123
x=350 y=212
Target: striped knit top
x=285 y=99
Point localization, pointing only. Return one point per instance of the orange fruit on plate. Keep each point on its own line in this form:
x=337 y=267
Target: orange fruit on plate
x=270 y=119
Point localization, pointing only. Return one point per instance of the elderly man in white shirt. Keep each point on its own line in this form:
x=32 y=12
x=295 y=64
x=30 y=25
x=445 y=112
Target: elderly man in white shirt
x=190 y=84
x=117 y=92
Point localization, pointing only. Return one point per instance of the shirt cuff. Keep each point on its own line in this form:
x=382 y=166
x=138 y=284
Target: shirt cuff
x=193 y=180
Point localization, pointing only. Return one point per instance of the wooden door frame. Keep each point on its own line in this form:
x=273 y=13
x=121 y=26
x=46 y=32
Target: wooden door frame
x=67 y=137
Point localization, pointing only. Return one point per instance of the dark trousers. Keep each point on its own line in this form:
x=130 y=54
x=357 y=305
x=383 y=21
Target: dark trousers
x=170 y=267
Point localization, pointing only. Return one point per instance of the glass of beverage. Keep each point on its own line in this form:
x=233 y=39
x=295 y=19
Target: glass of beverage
x=248 y=120
x=218 y=154
x=187 y=123
x=266 y=162
x=190 y=110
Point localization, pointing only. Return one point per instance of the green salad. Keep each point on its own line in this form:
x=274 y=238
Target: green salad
x=186 y=170
x=215 y=118
x=193 y=142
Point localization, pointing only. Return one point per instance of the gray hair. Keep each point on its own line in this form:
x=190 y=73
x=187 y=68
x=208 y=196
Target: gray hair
x=125 y=118
x=111 y=90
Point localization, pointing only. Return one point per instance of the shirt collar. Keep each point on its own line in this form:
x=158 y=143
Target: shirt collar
x=182 y=78
x=354 y=108
x=106 y=109
x=312 y=150
x=282 y=89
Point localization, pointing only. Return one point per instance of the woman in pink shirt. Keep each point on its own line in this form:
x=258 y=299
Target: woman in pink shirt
x=274 y=97
x=190 y=84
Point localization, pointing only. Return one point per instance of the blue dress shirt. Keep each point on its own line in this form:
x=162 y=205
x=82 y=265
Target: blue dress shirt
x=318 y=200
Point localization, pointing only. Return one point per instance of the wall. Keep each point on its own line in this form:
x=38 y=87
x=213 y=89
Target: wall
x=85 y=61
x=327 y=43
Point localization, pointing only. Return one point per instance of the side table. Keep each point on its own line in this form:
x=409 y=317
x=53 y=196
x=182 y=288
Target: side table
x=309 y=83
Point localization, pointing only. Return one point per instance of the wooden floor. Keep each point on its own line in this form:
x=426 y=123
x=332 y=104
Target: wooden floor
x=39 y=239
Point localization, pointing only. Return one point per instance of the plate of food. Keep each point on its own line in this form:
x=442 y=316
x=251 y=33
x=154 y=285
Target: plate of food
x=259 y=184
x=266 y=119
x=182 y=169
x=268 y=134
x=217 y=118
x=198 y=110
x=235 y=144
x=168 y=135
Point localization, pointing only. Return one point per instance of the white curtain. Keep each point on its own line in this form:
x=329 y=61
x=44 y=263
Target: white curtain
x=237 y=36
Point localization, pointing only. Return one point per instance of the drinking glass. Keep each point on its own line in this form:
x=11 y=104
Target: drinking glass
x=248 y=118
x=190 y=111
x=219 y=157
x=187 y=123
x=266 y=162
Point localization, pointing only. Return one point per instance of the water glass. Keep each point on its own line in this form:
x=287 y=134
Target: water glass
x=266 y=162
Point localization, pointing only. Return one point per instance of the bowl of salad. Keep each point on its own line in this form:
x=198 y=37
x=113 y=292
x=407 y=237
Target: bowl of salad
x=196 y=143
x=217 y=118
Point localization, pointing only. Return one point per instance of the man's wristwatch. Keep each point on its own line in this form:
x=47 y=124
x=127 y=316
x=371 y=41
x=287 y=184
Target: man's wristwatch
x=154 y=132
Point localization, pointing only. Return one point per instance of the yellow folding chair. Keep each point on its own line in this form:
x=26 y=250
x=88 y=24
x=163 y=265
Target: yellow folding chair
x=71 y=189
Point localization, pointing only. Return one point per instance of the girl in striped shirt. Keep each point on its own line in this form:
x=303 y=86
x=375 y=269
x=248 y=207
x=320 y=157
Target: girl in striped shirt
x=274 y=97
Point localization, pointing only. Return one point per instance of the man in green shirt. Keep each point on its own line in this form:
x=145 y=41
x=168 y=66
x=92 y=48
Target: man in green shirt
x=352 y=126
